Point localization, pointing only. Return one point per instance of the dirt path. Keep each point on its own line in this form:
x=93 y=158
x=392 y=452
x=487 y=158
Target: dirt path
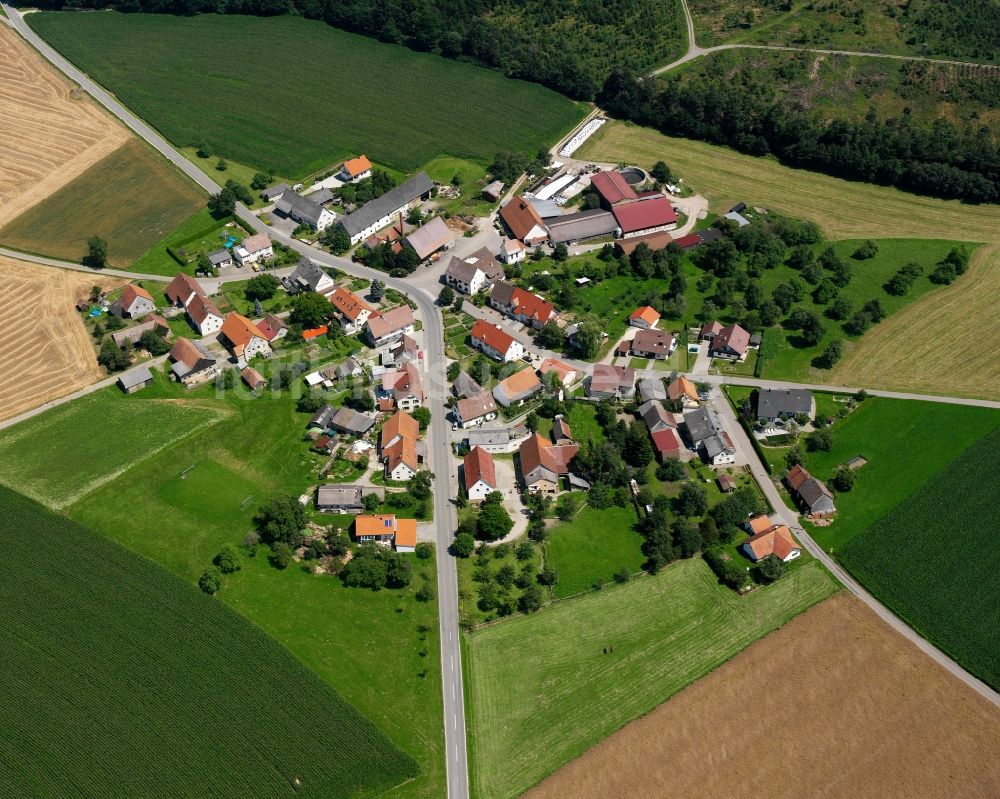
x=49 y=133
x=834 y=704
x=45 y=350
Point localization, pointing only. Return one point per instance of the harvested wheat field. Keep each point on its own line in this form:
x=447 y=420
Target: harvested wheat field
x=834 y=704
x=925 y=347
x=45 y=350
x=49 y=134
x=842 y=208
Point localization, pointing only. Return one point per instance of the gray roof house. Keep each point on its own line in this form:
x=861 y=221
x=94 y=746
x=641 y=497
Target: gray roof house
x=273 y=193
x=701 y=423
x=465 y=386
x=812 y=496
x=339 y=499
x=346 y=420
x=309 y=276
x=656 y=417
x=775 y=403
x=379 y=212
x=303 y=210
x=581 y=226
x=220 y=258
x=652 y=388
x=322 y=417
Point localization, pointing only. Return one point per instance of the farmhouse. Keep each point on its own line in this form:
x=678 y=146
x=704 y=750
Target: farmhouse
x=352 y=311
x=305 y=211
x=386 y=530
x=376 y=214
x=530 y=309
x=398 y=444
x=730 y=343
x=512 y=251
x=611 y=382
x=581 y=226
x=430 y=237
x=543 y=463
x=309 y=277
x=243 y=338
x=494 y=342
x=191 y=363
x=515 y=389
x=135 y=380
x=683 y=392
x=388 y=326
x=479 y=474
x=220 y=259
x=767 y=538
x=273 y=193
x=655 y=241
x=355 y=169
x=272 y=328
x=254 y=249
x=475 y=410
x=473 y=273
x=718 y=449
x=134 y=303
x=667 y=444
x=339 y=499
x=645 y=317
x=523 y=221
x=774 y=404
x=252 y=378
x=646 y=215
x=403 y=351
x=567 y=374
x=655 y=344
x=403 y=387
x=811 y=495
x=348 y=421
x=203 y=314
x=656 y=417
x=182 y=289
x=497 y=439
x=133 y=334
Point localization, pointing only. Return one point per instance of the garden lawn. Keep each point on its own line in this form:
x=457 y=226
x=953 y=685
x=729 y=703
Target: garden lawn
x=934 y=560
x=131 y=199
x=200 y=232
x=582 y=422
x=541 y=690
x=331 y=95
x=590 y=548
x=905 y=442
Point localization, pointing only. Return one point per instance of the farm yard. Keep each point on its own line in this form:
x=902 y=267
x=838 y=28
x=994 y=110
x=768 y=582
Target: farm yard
x=666 y=631
x=51 y=134
x=131 y=198
x=45 y=349
x=843 y=209
x=934 y=560
x=110 y=663
x=333 y=86
x=892 y=706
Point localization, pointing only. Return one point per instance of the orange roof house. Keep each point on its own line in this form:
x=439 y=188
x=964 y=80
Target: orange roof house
x=531 y=309
x=350 y=305
x=386 y=529
x=646 y=317
x=567 y=374
x=355 y=167
x=480 y=474
x=401 y=425
x=682 y=390
x=775 y=540
x=523 y=221
x=516 y=388
x=243 y=335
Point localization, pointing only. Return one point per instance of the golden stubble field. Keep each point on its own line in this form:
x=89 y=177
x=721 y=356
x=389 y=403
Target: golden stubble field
x=834 y=704
x=45 y=350
x=48 y=135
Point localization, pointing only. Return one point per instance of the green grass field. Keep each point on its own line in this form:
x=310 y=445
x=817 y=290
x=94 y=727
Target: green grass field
x=934 y=560
x=118 y=676
x=330 y=95
x=593 y=546
x=905 y=442
x=541 y=690
x=132 y=198
x=110 y=432
x=198 y=233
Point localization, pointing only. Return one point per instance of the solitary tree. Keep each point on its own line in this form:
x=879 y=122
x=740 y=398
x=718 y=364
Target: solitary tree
x=281 y=555
x=447 y=296
x=530 y=600
x=261 y=287
x=493 y=522
x=771 y=568
x=97 y=253
x=422 y=415
x=210 y=580
x=377 y=290
x=843 y=478
x=692 y=500
x=228 y=559
x=310 y=309
x=223 y=204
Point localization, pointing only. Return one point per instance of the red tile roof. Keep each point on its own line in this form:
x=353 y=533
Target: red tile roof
x=270 y=326
x=520 y=216
x=690 y=240
x=315 y=332
x=181 y=287
x=732 y=337
x=532 y=306
x=479 y=465
x=240 y=331
x=401 y=425
x=644 y=214
x=349 y=304
x=132 y=292
x=667 y=441
x=564 y=370
x=491 y=335
x=647 y=314
x=537 y=451
x=200 y=308
x=777 y=541
x=613 y=187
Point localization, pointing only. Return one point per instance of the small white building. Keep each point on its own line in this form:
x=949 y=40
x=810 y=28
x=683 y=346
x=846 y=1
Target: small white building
x=203 y=314
x=479 y=473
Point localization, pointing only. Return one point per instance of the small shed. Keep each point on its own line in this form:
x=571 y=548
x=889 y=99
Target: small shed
x=727 y=483
x=253 y=378
x=135 y=380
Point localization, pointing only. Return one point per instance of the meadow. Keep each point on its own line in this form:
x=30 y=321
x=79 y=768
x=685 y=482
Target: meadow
x=934 y=559
x=118 y=676
x=591 y=547
x=843 y=209
x=541 y=689
x=329 y=96
x=131 y=198
x=200 y=232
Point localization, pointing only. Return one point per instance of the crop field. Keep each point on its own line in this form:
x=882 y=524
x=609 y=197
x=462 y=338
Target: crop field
x=67 y=452
x=934 y=559
x=864 y=714
x=50 y=132
x=332 y=94
x=541 y=690
x=591 y=547
x=843 y=209
x=932 y=332
x=44 y=346
x=131 y=199
x=118 y=676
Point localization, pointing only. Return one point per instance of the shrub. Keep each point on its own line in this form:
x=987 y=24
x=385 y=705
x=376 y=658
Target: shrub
x=843 y=478
x=228 y=559
x=210 y=580
x=281 y=555
x=424 y=550
x=463 y=545
x=770 y=569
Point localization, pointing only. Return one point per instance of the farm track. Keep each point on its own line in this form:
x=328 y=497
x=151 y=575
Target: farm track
x=48 y=135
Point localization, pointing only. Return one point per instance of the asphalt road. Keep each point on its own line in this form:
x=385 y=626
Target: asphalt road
x=456 y=759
